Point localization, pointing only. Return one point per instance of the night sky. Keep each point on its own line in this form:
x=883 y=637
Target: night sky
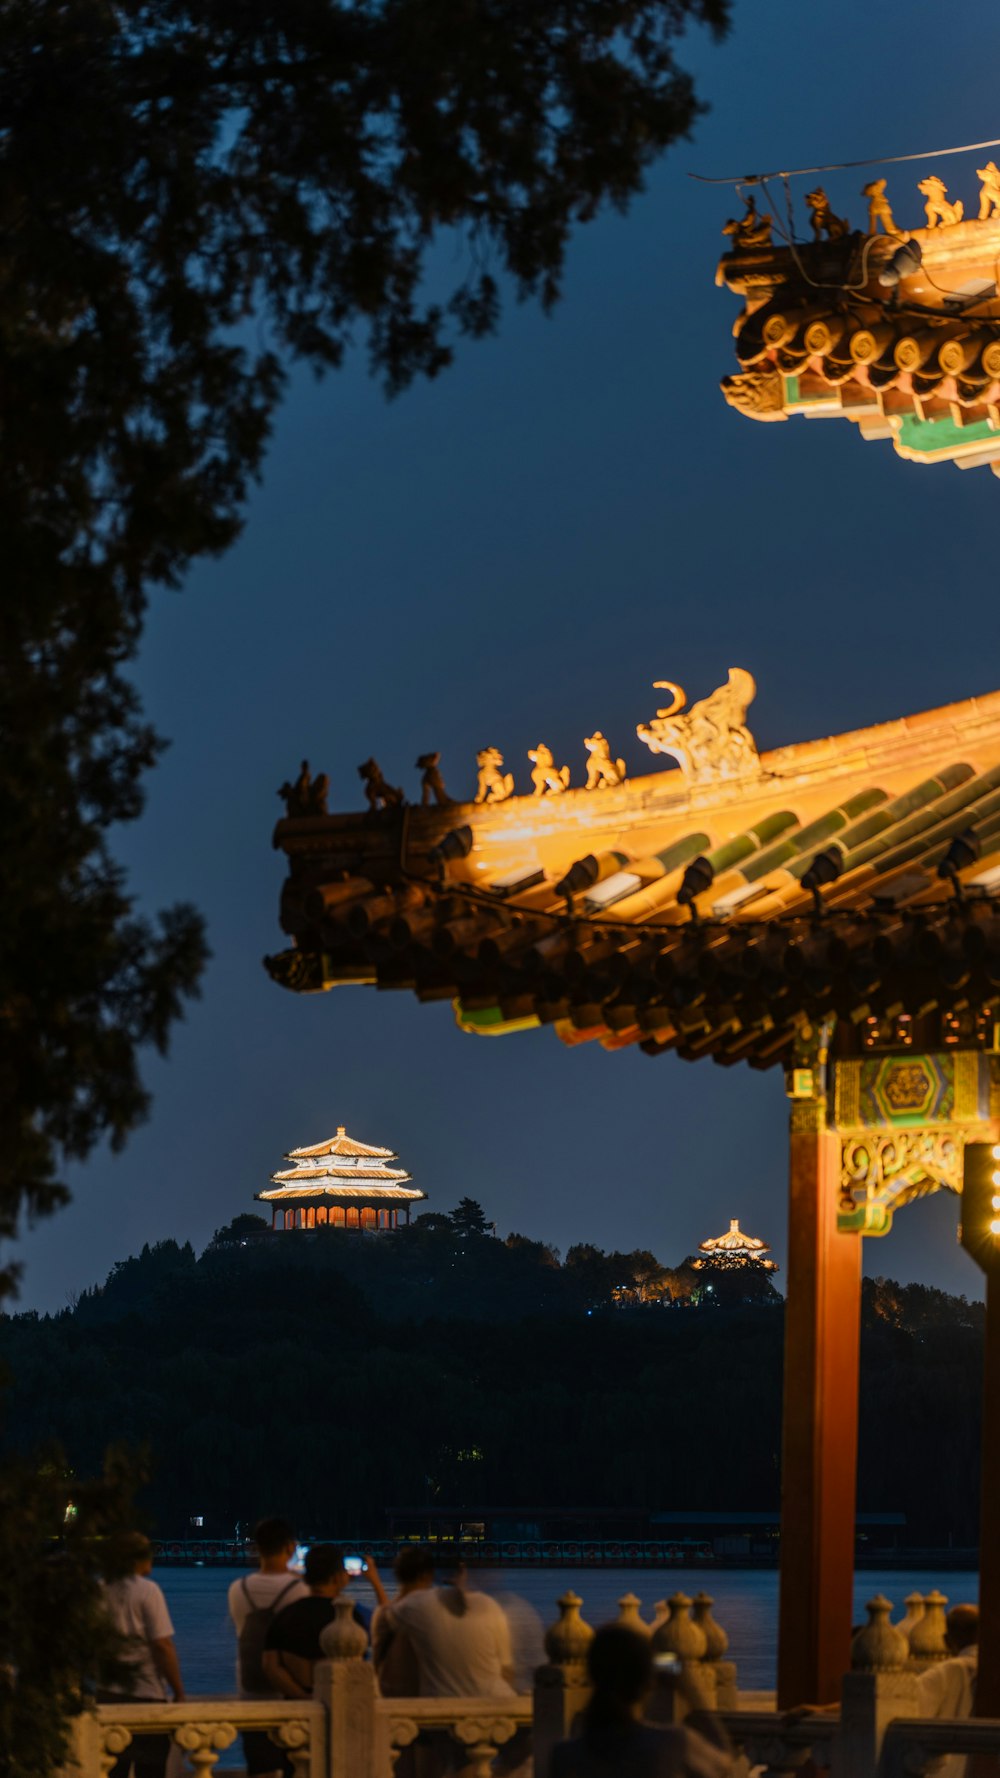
x=516 y=552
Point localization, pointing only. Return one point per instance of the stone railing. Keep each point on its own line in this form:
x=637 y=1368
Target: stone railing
x=912 y=1749
x=348 y=1730
x=203 y=1728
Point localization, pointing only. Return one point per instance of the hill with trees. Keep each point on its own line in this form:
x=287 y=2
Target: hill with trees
x=332 y=1375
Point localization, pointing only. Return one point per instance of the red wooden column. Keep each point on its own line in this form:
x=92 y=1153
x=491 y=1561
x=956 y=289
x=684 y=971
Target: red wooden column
x=820 y=1422
x=980 y=1215
x=987 y=1702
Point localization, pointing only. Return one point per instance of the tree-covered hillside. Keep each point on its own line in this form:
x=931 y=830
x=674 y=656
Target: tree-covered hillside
x=329 y=1376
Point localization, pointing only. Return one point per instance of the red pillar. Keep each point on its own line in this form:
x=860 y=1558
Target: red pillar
x=987 y=1699
x=820 y=1428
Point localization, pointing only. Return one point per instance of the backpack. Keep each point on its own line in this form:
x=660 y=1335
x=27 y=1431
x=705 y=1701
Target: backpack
x=252 y=1637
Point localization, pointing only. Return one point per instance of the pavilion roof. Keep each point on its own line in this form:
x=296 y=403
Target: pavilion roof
x=343 y=1171
x=734 y=1241
x=367 y=1187
x=341 y=1144
x=914 y=360
x=708 y=908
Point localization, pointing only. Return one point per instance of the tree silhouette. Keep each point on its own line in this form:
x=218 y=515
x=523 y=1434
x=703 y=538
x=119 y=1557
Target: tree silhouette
x=168 y=176
x=469 y=1218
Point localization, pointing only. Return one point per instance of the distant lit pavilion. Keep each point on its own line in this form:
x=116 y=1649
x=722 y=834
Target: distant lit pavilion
x=734 y=1250
x=340 y=1183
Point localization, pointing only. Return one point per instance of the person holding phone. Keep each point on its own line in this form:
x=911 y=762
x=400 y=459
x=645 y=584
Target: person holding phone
x=293 y=1642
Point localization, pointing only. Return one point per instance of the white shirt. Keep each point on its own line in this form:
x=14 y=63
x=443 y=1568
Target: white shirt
x=137 y=1608
x=459 y=1656
x=263 y=1589
x=947 y=1691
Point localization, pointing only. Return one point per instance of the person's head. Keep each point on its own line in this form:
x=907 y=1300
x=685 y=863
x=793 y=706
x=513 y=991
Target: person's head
x=962 y=1627
x=275 y=1542
x=325 y=1571
x=620 y=1665
x=453 y=1577
x=414 y=1567
x=137 y=1552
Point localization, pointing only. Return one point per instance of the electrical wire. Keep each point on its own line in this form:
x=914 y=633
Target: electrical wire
x=879 y=160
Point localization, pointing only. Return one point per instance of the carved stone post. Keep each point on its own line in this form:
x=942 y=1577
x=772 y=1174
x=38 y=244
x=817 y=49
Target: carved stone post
x=928 y=1638
x=689 y=1682
x=345 y=1683
x=716 y=1644
x=914 y=1603
x=879 y=1688
x=628 y=1614
x=561 y=1686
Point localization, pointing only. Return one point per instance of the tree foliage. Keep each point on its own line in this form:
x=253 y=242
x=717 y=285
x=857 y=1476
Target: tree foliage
x=191 y=197
x=469 y=1218
x=60 y=1537
x=419 y=1367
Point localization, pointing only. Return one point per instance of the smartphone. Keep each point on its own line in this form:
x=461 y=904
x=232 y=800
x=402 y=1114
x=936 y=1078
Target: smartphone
x=354 y=1565
x=299 y=1558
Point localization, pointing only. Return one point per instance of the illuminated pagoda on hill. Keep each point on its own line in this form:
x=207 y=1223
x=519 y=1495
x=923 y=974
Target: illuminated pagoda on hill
x=340 y=1183
x=734 y=1251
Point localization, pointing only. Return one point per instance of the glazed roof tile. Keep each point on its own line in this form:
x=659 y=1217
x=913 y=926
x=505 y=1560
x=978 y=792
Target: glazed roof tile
x=734 y=1241
x=392 y=1193
x=880 y=813
x=341 y=1144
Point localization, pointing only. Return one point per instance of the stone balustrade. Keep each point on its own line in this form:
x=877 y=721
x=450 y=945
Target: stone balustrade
x=348 y=1730
x=203 y=1728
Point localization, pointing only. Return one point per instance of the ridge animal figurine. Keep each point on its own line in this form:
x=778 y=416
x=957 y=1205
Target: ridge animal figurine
x=432 y=783
x=751 y=229
x=546 y=775
x=307 y=796
x=823 y=220
x=711 y=740
x=878 y=208
x=989 y=196
x=601 y=768
x=939 y=212
x=380 y=795
x=494 y=784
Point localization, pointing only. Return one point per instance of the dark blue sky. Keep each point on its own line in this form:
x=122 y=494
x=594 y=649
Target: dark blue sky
x=516 y=552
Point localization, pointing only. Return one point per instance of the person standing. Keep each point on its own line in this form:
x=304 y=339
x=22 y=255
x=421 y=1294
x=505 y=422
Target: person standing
x=948 y=1688
x=254 y=1601
x=460 y=1639
x=614 y=1741
x=461 y=1642
x=392 y=1650
x=293 y=1643
x=138 y=1610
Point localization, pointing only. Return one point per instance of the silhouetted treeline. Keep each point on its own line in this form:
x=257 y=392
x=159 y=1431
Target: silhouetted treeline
x=329 y=1376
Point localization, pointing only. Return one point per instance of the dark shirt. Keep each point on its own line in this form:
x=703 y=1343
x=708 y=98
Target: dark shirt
x=296 y=1630
x=640 y=1750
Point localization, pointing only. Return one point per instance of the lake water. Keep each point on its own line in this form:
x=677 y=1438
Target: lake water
x=746 y=1605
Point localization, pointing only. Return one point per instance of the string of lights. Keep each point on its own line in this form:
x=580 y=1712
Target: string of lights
x=826 y=915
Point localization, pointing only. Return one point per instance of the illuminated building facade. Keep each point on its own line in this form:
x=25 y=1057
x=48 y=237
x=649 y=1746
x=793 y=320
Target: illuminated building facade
x=734 y=1251
x=341 y=1184
x=829 y=907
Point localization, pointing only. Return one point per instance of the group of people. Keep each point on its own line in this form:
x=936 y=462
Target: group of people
x=433 y=1640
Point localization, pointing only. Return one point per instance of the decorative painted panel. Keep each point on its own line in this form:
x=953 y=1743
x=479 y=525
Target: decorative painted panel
x=911 y=1091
